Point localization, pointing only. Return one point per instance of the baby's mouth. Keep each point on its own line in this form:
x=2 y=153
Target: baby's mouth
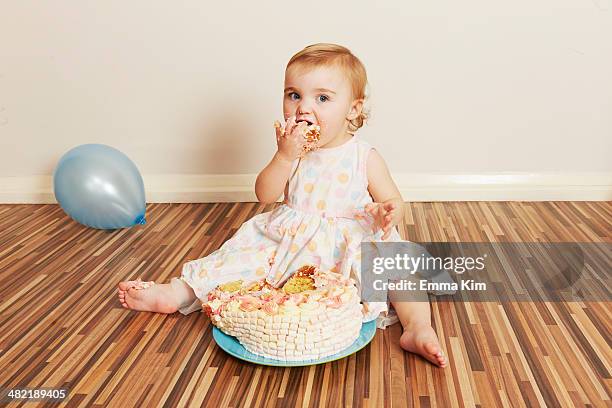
x=307 y=122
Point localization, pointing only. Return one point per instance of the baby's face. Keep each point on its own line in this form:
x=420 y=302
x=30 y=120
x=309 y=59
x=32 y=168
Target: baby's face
x=320 y=96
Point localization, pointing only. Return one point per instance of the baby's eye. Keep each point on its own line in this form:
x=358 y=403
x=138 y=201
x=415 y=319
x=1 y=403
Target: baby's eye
x=292 y=94
x=323 y=98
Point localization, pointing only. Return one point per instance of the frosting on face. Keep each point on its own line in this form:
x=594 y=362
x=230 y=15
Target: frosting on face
x=312 y=135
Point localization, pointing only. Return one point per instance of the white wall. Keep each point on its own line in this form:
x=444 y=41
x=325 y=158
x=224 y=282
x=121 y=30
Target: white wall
x=193 y=87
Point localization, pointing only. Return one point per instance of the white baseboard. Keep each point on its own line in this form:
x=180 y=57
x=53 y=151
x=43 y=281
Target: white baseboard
x=184 y=188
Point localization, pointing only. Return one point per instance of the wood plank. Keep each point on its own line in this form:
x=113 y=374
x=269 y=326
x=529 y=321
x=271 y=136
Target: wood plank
x=61 y=324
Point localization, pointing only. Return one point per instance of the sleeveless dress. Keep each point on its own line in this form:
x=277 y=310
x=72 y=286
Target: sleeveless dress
x=322 y=221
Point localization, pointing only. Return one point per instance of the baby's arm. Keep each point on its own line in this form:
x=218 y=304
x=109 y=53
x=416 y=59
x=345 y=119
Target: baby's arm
x=383 y=190
x=273 y=179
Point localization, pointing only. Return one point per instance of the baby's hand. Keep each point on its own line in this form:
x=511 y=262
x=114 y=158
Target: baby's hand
x=290 y=139
x=384 y=214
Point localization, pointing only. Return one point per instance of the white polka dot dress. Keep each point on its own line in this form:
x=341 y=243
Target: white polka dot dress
x=322 y=221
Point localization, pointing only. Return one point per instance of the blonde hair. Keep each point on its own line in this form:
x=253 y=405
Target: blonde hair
x=322 y=54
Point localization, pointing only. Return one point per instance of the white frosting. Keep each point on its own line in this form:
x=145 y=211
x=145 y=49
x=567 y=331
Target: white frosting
x=328 y=322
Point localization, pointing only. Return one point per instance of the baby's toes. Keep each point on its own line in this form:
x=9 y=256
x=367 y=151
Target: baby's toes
x=122 y=301
x=437 y=353
x=442 y=361
x=126 y=285
x=433 y=349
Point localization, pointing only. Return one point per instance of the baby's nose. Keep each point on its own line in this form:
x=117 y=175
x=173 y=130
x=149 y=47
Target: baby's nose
x=304 y=109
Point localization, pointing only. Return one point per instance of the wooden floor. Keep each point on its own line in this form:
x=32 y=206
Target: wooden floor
x=62 y=326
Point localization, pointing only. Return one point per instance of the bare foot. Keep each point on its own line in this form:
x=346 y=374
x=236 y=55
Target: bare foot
x=421 y=339
x=159 y=298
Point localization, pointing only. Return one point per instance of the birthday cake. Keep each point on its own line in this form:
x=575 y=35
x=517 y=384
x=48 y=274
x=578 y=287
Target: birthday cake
x=312 y=135
x=313 y=315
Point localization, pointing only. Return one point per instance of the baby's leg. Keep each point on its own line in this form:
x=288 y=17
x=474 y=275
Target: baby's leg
x=418 y=336
x=159 y=298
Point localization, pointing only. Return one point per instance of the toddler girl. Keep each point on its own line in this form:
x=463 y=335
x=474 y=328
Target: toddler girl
x=327 y=209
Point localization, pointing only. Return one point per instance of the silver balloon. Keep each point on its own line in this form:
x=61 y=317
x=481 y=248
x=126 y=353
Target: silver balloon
x=99 y=186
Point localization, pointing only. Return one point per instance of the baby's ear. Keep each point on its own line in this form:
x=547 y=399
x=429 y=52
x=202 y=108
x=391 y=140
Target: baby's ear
x=356 y=108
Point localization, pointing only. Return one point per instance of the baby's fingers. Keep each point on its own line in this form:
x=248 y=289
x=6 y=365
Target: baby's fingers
x=299 y=130
x=382 y=212
x=369 y=207
x=389 y=206
x=278 y=129
x=290 y=125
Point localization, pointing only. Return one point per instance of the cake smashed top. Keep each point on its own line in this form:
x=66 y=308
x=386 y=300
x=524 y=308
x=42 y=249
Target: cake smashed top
x=308 y=288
